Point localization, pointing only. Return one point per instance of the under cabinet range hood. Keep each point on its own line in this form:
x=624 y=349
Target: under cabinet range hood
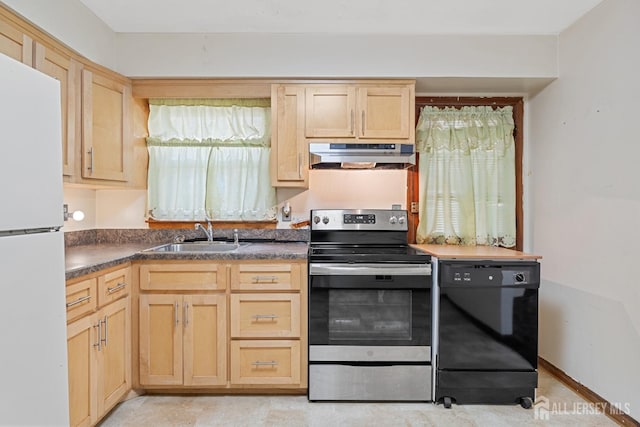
x=360 y=156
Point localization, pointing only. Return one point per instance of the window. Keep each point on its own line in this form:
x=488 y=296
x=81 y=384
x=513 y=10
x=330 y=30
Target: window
x=469 y=182
x=210 y=159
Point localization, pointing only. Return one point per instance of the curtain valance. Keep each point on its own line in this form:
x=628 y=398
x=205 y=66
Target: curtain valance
x=465 y=129
x=209 y=125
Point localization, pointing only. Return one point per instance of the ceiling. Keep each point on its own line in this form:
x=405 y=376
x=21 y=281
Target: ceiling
x=534 y=17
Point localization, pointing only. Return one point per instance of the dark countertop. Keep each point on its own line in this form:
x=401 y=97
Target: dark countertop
x=86 y=259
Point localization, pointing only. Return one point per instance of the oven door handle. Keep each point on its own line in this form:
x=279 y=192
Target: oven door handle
x=322 y=269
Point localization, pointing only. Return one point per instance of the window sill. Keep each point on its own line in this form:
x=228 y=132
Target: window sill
x=154 y=223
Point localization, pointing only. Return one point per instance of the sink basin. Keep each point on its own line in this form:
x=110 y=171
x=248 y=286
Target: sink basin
x=198 y=247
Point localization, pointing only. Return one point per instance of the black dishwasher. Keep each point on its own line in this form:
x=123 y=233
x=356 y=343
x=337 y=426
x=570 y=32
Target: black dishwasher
x=488 y=332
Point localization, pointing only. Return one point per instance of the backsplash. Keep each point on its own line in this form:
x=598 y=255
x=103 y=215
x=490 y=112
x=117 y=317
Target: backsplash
x=158 y=236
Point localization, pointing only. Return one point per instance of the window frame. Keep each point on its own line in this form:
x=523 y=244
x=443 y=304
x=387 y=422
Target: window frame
x=518 y=134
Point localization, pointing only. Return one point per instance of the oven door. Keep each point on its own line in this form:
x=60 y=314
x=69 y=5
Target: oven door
x=370 y=312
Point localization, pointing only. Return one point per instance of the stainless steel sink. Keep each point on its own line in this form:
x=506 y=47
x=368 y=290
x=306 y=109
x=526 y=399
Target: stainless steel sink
x=199 y=247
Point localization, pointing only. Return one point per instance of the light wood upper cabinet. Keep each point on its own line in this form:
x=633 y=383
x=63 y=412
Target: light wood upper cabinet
x=66 y=71
x=361 y=112
x=105 y=127
x=330 y=111
x=15 y=44
x=385 y=112
x=289 y=149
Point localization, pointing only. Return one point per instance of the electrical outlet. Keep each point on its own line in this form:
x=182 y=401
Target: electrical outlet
x=414 y=207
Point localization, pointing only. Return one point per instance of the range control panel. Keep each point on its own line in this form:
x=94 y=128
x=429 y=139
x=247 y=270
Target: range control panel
x=359 y=219
x=489 y=273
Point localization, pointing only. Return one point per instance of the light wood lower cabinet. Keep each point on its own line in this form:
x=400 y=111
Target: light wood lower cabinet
x=183 y=340
x=268 y=325
x=222 y=326
x=99 y=354
x=265 y=315
x=265 y=362
x=98 y=349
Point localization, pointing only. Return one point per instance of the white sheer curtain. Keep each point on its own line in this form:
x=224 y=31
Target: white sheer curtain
x=209 y=159
x=466 y=176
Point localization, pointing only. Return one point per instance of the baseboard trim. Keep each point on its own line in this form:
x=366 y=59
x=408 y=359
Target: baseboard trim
x=588 y=394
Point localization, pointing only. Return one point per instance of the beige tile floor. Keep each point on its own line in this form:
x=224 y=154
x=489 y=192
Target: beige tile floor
x=565 y=409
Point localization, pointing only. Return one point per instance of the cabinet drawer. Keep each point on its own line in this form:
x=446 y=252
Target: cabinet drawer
x=265 y=277
x=114 y=285
x=265 y=362
x=81 y=298
x=182 y=277
x=265 y=315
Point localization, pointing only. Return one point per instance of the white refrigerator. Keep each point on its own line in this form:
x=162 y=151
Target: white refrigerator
x=33 y=351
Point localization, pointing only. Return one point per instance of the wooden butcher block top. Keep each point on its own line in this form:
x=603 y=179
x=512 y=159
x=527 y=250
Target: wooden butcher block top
x=474 y=252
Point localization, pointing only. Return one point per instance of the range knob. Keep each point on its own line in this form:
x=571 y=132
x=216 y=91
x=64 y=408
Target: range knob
x=520 y=277
x=401 y=220
x=316 y=219
x=325 y=220
x=393 y=220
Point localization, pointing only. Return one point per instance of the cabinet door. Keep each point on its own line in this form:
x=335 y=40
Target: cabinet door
x=160 y=339
x=205 y=340
x=65 y=70
x=289 y=149
x=265 y=362
x=384 y=112
x=15 y=44
x=105 y=117
x=331 y=111
x=82 y=342
x=114 y=359
x=265 y=315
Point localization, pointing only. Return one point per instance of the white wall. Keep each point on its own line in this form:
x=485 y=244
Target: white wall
x=586 y=204
x=340 y=189
x=72 y=23
x=80 y=200
x=357 y=189
x=332 y=55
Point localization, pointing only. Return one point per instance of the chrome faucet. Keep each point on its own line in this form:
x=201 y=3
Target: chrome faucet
x=208 y=231
x=235 y=237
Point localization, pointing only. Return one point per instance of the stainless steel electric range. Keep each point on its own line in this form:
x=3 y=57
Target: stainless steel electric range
x=369 y=308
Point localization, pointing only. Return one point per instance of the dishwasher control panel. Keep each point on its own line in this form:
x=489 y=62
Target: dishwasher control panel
x=489 y=273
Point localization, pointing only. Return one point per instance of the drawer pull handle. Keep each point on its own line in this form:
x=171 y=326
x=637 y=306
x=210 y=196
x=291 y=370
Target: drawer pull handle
x=78 y=301
x=258 y=317
x=116 y=288
x=262 y=279
x=258 y=363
